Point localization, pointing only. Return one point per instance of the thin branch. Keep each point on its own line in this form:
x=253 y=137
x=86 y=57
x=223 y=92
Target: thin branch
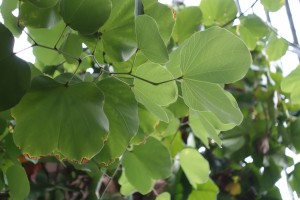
x=55 y=46
x=240 y=15
x=67 y=83
x=291 y=22
x=110 y=180
x=33 y=45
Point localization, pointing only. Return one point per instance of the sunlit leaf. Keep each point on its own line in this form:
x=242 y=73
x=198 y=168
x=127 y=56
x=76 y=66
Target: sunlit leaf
x=121 y=109
x=149 y=40
x=68 y=119
x=155 y=96
x=163 y=196
x=163 y=16
x=146 y=163
x=184 y=26
x=202 y=58
x=218 y=11
x=276 y=47
x=195 y=166
x=10 y=21
x=272 y=5
x=126 y=187
x=17 y=182
x=85 y=16
x=205 y=191
x=252 y=29
x=290 y=84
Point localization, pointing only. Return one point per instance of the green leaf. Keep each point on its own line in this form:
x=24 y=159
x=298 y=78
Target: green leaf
x=195 y=166
x=276 y=47
x=218 y=12
x=163 y=16
x=126 y=187
x=146 y=163
x=43 y=3
x=272 y=5
x=149 y=39
x=155 y=96
x=122 y=112
x=295 y=179
x=7 y=43
x=85 y=16
x=206 y=125
x=203 y=63
x=184 y=26
x=203 y=59
x=163 y=196
x=119 y=39
x=295 y=134
x=15 y=73
x=207 y=191
x=290 y=84
x=17 y=182
x=72 y=47
x=54 y=118
x=204 y=96
x=47 y=37
x=10 y=21
x=252 y=29
x=32 y=16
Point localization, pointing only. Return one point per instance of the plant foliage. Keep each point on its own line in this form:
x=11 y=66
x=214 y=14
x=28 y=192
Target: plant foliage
x=137 y=97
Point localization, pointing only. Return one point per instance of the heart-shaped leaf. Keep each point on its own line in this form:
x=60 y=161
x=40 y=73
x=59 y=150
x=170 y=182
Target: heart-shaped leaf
x=55 y=118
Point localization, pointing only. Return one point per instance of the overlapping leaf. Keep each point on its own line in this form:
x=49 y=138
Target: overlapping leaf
x=119 y=39
x=272 y=5
x=149 y=40
x=32 y=16
x=17 y=182
x=55 y=118
x=290 y=84
x=218 y=11
x=206 y=125
x=122 y=112
x=15 y=73
x=184 y=26
x=276 y=47
x=252 y=29
x=205 y=191
x=155 y=96
x=194 y=165
x=85 y=16
x=146 y=163
x=163 y=16
x=205 y=65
